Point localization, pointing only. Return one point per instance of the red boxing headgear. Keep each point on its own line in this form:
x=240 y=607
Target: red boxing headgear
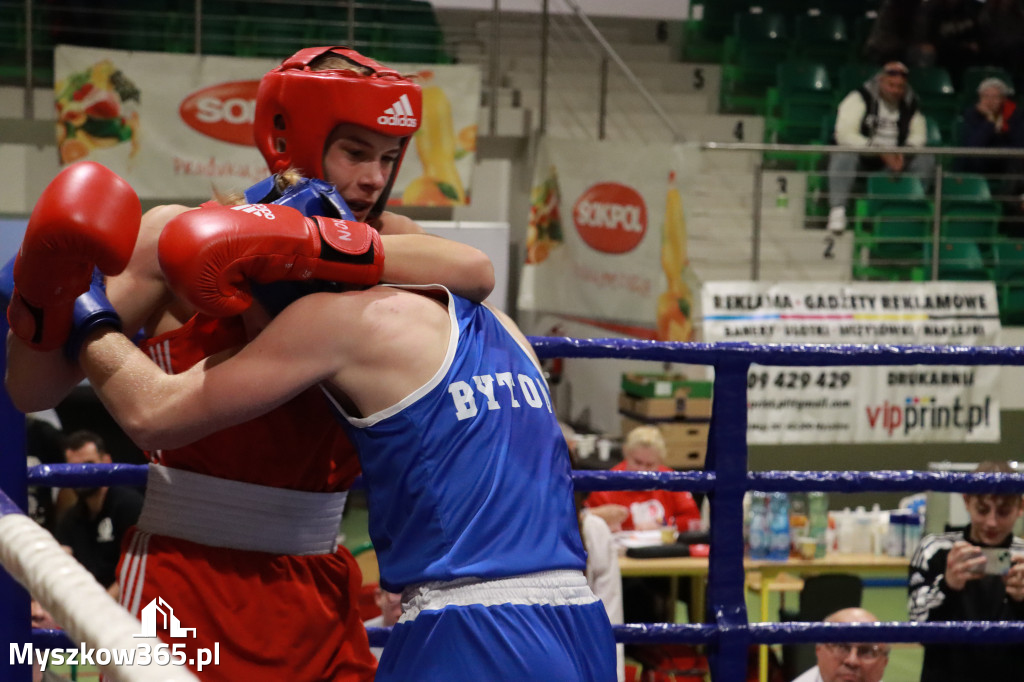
x=297 y=109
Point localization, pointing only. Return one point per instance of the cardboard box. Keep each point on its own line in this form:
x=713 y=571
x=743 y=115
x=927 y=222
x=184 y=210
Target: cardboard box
x=665 y=386
x=696 y=408
x=686 y=442
x=650 y=408
x=654 y=385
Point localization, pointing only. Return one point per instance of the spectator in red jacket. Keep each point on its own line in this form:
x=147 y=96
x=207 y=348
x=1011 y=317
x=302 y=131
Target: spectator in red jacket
x=643 y=450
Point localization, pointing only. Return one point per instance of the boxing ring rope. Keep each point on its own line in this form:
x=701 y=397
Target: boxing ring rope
x=71 y=594
x=727 y=631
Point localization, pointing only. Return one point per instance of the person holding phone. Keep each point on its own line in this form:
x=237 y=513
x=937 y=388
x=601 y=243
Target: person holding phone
x=972 y=573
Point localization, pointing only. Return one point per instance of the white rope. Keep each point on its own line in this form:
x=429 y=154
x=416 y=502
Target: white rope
x=69 y=592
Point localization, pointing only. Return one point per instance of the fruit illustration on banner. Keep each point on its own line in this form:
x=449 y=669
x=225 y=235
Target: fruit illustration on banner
x=544 y=230
x=675 y=304
x=440 y=184
x=96 y=109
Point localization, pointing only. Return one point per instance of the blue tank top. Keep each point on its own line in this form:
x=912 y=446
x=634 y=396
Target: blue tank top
x=470 y=474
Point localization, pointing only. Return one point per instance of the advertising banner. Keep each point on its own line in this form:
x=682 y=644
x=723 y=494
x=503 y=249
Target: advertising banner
x=179 y=125
x=606 y=237
x=862 y=404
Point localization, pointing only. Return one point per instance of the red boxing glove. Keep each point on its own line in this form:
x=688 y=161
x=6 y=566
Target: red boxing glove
x=211 y=253
x=86 y=217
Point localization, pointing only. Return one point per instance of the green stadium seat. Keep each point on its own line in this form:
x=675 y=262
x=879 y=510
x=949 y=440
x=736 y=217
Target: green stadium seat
x=935 y=90
x=885 y=188
x=217 y=25
x=893 y=244
x=961 y=260
x=1009 y=276
x=412 y=33
x=758 y=43
x=852 y=75
x=822 y=38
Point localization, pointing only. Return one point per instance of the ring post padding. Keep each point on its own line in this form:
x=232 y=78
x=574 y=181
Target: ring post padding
x=15 y=618
x=727 y=458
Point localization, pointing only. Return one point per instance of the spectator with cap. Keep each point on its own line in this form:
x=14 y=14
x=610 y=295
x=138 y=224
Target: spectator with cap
x=883 y=112
x=845 y=661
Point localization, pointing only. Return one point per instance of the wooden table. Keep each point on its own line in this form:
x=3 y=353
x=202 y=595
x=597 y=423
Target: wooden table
x=769 y=580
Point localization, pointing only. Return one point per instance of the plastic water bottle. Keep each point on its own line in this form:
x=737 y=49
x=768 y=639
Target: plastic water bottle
x=758 y=525
x=817 y=520
x=778 y=525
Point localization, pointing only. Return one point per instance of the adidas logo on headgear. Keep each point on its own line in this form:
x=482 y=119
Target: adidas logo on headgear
x=398 y=114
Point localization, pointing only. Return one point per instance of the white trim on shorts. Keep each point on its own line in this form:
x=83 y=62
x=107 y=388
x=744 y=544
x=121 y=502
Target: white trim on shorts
x=551 y=588
x=218 y=512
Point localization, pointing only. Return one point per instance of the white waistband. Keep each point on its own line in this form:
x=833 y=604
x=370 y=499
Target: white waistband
x=221 y=513
x=553 y=588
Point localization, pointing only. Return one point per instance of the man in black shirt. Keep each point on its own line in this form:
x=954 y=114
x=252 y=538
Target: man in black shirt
x=951 y=579
x=92 y=529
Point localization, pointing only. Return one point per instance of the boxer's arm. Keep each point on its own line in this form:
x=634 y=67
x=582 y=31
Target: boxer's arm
x=429 y=259
x=38 y=380
x=298 y=349
x=373 y=347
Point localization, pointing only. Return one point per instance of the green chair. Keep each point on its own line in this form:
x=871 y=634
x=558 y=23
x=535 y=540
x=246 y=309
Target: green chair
x=802 y=96
x=968 y=210
x=758 y=43
x=412 y=33
x=961 y=261
x=1009 y=277
x=822 y=38
x=217 y=24
x=934 y=89
x=884 y=188
x=1011 y=304
x=852 y=75
x=331 y=27
x=272 y=31
x=1009 y=261
x=893 y=244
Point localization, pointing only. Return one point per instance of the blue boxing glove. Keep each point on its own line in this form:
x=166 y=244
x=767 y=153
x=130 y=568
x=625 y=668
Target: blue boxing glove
x=7 y=282
x=311 y=197
x=92 y=310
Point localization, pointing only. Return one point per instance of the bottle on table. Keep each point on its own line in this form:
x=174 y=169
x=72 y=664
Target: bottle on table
x=778 y=525
x=758 y=516
x=817 y=521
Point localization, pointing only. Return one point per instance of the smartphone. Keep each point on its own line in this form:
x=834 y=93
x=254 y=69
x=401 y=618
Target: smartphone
x=997 y=560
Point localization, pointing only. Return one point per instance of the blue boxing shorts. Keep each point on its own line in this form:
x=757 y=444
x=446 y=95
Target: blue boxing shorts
x=513 y=629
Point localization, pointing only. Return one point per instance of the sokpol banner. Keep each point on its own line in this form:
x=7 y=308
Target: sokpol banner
x=606 y=237
x=862 y=404
x=177 y=125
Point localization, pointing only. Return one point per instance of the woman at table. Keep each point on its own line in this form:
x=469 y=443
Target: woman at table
x=646 y=600
x=644 y=450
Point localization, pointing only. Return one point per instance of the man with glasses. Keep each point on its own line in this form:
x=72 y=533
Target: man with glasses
x=845 y=661
x=882 y=112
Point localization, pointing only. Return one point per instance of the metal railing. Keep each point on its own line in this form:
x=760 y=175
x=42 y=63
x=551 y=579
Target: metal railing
x=943 y=157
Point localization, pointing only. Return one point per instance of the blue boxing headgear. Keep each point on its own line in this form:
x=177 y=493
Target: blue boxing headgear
x=311 y=197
